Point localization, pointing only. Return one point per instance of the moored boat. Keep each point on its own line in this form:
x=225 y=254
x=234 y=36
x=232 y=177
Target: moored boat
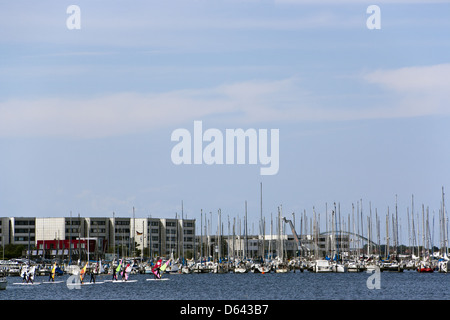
x=322 y=266
x=443 y=266
x=393 y=266
x=425 y=268
x=339 y=268
x=240 y=268
x=355 y=267
x=3 y=281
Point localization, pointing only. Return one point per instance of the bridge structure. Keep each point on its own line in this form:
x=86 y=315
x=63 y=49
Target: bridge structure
x=350 y=234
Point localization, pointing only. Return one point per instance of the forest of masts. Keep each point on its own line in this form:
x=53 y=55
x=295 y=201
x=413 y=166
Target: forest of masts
x=364 y=233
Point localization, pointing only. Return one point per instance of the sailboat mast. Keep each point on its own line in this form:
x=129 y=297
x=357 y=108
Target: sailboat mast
x=228 y=244
x=219 y=242
x=261 y=223
x=182 y=229
x=88 y=227
x=245 y=231
x=387 y=233
x=423 y=230
x=444 y=233
x=70 y=238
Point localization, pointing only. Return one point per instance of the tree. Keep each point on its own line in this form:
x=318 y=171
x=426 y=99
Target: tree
x=13 y=251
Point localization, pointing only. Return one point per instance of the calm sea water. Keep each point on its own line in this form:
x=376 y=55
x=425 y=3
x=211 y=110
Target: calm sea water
x=408 y=285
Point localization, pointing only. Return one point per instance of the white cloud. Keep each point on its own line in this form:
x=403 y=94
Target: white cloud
x=124 y=113
x=413 y=91
x=425 y=78
x=423 y=90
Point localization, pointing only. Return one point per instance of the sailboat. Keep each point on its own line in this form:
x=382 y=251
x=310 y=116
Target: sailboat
x=125 y=274
x=28 y=274
x=53 y=272
x=83 y=272
x=31 y=274
x=425 y=266
x=24 y=272
x=52 y=275
x=159 y=269
x=118 y=268
x=101 y=268
x=163 y=268
x=127 y=271
x=156 y=268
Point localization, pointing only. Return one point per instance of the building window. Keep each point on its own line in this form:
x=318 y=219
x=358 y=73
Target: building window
x=17 y=230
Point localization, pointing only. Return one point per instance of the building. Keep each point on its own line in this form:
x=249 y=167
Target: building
x=4 y=231
x=22 y=231
x=111 y=237
x=105 y=237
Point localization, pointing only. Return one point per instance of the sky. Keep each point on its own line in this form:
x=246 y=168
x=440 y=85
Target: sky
x=87 y=114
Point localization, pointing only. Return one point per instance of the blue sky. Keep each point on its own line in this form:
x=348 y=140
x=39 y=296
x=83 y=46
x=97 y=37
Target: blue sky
x=86 y=115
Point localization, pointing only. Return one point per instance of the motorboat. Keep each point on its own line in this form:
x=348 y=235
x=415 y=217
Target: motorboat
x=321 y=266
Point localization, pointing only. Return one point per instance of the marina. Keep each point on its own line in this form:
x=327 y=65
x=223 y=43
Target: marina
x=136 y=140
x=347 y=254
x=407 y=285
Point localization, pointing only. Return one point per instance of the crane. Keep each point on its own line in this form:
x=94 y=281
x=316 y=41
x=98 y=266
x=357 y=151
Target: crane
x=299 y=244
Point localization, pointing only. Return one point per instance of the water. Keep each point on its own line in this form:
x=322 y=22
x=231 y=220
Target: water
x=408 y=285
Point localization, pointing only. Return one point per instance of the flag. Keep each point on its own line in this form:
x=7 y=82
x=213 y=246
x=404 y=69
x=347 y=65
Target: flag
x=139 y=233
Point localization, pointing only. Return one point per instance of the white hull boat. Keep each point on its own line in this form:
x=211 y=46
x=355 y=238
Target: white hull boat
x=339 y=268
x=322 y=266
